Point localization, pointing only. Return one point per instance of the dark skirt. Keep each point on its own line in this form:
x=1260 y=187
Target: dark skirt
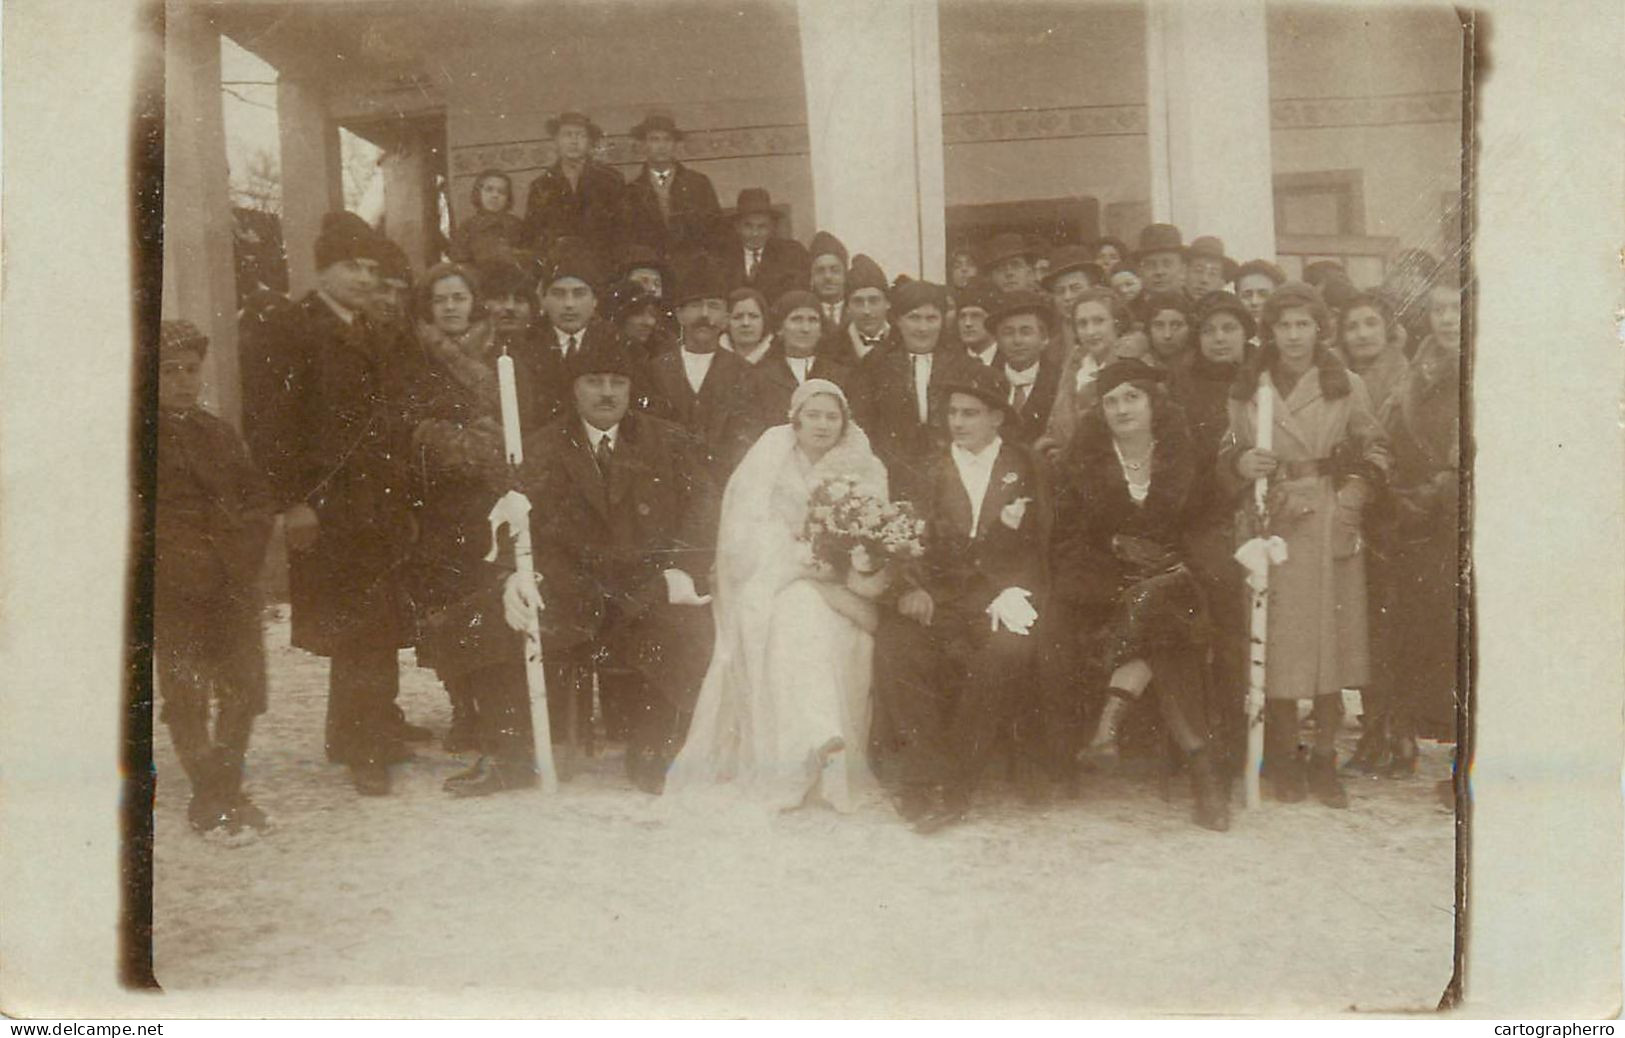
x=1156 y=612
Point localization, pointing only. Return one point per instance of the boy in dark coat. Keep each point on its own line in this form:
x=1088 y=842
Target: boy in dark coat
x=214 y=520
x=955 y=652
x=625 y=522
x=326 y=417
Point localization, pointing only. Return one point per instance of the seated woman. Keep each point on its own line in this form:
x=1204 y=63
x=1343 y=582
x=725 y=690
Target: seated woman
x=783 y=714
x=747 y=333
x=1327 y=461
x=1128 y=490
x=492 y=232
x=459 y=461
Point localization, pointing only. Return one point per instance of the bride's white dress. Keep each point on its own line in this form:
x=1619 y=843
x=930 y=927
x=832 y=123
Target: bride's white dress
x=789 y=674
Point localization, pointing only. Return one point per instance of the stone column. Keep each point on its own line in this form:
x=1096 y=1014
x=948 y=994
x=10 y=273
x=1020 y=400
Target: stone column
x=200 y=280
x=311 y=178
x=874 y=123
x=1208 y=101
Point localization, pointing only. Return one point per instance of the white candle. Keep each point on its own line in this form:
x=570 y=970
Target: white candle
x=1265 y=438
x=509 y=390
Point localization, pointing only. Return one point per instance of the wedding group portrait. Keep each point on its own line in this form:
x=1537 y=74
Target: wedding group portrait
x=790 y=503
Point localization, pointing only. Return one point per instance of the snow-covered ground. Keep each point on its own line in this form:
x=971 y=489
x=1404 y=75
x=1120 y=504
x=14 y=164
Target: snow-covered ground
x=604 y=901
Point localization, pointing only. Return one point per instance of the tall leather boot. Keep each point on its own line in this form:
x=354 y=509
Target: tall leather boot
x=1212 y=799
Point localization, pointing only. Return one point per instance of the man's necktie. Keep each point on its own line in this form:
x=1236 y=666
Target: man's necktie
x=602 y=456
x=1021 y=396
x=570 y=346
x=755 y=262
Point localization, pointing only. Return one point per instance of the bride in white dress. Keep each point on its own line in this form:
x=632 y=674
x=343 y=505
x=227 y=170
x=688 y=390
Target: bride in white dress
x=783 y=715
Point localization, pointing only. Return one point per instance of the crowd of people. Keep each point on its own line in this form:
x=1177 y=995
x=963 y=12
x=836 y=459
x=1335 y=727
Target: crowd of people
x=1065 y=435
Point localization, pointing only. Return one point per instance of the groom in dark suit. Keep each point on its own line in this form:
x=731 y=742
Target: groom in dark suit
x=954 y=654
x=623 y=526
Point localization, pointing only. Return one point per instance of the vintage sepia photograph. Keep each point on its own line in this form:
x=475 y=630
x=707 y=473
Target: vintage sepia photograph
x=815 y=481
x=803 y=508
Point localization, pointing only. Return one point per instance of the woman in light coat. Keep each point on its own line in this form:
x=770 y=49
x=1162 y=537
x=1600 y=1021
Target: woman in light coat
x=1327 y=460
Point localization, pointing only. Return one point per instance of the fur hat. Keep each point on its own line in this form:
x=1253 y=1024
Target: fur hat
x=345 y=236
x=504 y=277
x=865 y=273
x=913 y=294
x=392 y=262
x=606 y=356
x=826 y=244
x=699 y=278
x=642 y=257
x=181 y=337
x=572 y=258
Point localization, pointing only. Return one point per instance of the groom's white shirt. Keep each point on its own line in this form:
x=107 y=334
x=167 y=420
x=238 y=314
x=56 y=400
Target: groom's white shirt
x=975 y=473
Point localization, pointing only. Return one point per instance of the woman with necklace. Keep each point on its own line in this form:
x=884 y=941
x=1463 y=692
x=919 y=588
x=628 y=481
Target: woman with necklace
x=1129 y=488
x=1329 y=458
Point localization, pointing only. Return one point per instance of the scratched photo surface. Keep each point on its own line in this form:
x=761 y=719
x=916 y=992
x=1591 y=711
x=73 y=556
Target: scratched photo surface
x=786 y=508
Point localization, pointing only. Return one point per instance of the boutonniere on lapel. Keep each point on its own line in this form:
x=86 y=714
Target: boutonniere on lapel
x=1010 y=479
x=1012 y=513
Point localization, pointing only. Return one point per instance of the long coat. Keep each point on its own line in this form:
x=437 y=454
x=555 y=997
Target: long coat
x=460 y=469
x=718 y=416
x=1422 y=536
x=326 y=418
x=602 y=545
x=1324 y=432
x=694 y=220
x=886 y=408
x=593 y=210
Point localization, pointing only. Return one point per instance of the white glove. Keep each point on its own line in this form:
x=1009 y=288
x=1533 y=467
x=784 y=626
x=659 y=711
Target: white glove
x=1013 y=608
x=521 y=601
x=680 y=589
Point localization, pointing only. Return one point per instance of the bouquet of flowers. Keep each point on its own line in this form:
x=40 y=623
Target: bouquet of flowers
x=851 y=531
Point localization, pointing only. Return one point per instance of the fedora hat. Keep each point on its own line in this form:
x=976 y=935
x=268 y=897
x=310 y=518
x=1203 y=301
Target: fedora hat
x=1209 y=247
x=573 y=119
x=1160 y=237
x=1006 y=246
x=1013 y=303
x=1069 y=258
x=984 y=382
x=657 y=121
x=753 y=200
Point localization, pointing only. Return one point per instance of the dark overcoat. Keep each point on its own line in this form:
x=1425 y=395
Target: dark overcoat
x=785 y=265
x=601 y=545
x=1033 y=415
x=693 y=224
x=718 y=416
x=326 y=417
x=594 y=210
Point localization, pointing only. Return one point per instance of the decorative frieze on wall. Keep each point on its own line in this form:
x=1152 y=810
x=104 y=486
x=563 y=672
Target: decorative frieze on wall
x=743 y=142
x=1311 y=113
